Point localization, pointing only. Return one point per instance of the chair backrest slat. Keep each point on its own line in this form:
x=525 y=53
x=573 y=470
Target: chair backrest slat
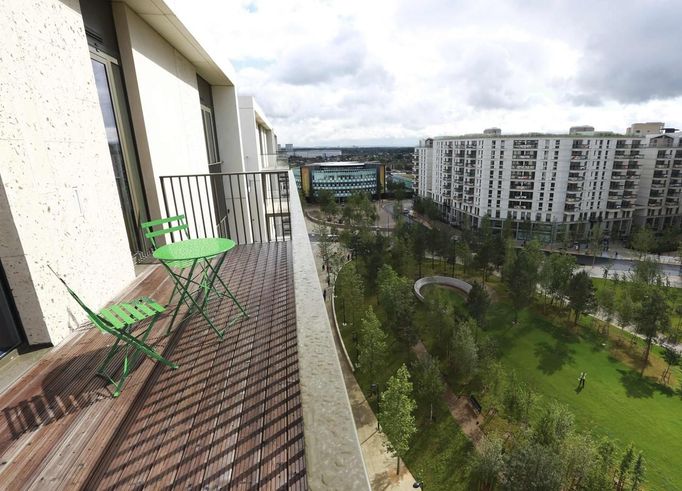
x=167 y=226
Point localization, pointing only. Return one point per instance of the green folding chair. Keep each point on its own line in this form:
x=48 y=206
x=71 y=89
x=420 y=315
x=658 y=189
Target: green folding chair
x=165 y=226
x=119 y=320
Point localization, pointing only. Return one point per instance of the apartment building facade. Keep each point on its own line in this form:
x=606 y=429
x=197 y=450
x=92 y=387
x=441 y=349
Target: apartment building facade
x=552 y=186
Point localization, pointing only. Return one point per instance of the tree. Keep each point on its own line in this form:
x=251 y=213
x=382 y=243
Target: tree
x=396 y=295
x=581 y=294
x=352 y=290
x=581 y=462
x=517 y=398
x=601 y=476
x=478 y=302
x=440 y=315
x=555 y=273
x=596 y=242
x=372 y=344
x=638 y=472
x=488 y=464
x=553 y=426
x=464 y=352
x=327 y=202
x=396 y=414
x=651 y=317
x=624 y=467
x=606 y=301
x=672 y=358
x=642 y=240
x=464 y=253
x=428 y=380
x=419 y=245
x=530 y=466
x=521 y=276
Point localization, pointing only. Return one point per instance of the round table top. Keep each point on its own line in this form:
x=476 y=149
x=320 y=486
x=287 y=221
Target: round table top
x=193 y=249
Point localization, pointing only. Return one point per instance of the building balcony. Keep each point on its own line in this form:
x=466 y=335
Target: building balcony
x=658 y=183
x=616 y=185
x=520 y=166
x=627 y=155
x=575 y=177
x=580 y=145
x=677 y=164
x=672 y=201
x=675 y=183
x=619 y=165
x=616 y=193
x=531 y=145
x=524 y=155
x=618 y=176
x=264 y=408
x=577 y=167
x=613 y=205
x=516 y=186
x=655 y=202
x=579 y=156
x=572 y=198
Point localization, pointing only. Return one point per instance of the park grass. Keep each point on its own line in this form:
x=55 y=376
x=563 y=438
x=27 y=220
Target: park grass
x=549 y=354
x=439 y=453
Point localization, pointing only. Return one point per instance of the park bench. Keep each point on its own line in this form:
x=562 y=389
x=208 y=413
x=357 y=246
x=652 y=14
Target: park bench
x=475 y=404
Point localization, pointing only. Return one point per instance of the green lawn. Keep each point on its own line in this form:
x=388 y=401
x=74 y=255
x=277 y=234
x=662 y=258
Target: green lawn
x=616 y=401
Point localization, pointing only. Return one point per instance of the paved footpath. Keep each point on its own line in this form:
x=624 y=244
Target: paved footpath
x=381 y=466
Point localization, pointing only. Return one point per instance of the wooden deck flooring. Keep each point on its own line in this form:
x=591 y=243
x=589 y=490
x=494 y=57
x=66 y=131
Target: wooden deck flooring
x=229 y=418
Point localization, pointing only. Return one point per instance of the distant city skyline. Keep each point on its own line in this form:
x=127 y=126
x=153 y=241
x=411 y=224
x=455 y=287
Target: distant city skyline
x=368 y=73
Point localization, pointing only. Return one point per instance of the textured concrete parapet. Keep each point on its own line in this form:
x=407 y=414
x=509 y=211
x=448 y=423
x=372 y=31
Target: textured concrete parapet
x=332 y=449
x=440 y=280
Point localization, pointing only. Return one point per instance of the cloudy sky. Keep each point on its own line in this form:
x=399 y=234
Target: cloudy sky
x=359 y=72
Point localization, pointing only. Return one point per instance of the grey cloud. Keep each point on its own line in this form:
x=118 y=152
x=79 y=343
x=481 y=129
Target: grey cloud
x=315 y=64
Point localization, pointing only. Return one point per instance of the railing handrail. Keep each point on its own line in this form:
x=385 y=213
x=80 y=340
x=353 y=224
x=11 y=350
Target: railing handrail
x=281 y=171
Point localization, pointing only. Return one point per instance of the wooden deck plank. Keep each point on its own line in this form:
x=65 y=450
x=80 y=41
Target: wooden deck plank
x=229 y=417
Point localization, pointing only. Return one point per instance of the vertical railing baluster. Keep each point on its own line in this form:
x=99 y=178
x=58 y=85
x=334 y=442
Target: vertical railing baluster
x=175 y=205
x=191 y=204
x=211 y=212
x=258 y=201
x=264 y=191
x=281 y=216
x=234 y=210
x=201 y=205
x=241 y=204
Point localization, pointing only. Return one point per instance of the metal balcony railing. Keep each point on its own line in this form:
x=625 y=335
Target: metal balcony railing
x=246 y=207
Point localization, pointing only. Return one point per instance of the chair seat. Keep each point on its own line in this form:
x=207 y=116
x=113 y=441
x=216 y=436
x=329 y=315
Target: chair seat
x=125 y=314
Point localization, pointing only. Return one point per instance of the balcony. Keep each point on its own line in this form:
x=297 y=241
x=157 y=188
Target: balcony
x=618 y=176
x=522 y=166
x=661 y=165
x=264 y=408
x=577 y=167
x=575 y=177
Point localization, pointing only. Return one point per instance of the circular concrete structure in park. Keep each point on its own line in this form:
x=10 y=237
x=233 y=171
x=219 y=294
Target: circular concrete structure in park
x=440 y=280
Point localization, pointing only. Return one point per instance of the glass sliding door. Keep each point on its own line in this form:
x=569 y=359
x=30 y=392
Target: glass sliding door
x=119 y=134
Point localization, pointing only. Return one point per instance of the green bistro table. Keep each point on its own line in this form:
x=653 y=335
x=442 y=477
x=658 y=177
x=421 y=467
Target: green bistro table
x=194 y=265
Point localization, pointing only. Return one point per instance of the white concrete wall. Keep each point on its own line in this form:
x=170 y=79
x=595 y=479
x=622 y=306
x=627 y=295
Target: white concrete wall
x=59 y=205
x=250 y=135
x=165 y=108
